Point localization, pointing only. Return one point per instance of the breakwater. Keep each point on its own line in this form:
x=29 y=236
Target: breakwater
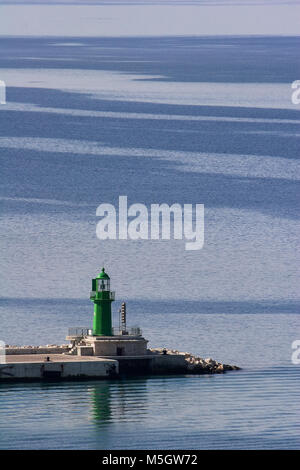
x=197 y=365
x=61 y=362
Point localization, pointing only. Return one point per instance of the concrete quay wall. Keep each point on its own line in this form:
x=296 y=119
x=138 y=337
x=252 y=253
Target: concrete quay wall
x=59 y=370
x=152 y=364
x=170 y=363
x=76 y=367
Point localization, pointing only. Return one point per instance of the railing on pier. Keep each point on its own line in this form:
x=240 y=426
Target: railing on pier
x=134 y=331
x=84 y=331
x=80 y=331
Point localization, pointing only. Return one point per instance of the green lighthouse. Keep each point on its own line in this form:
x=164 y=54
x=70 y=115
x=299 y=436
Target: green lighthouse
x=102 y=297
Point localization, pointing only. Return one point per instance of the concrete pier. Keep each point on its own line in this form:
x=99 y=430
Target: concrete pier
x=56 y=366
x=62 y=367
x=39 y=367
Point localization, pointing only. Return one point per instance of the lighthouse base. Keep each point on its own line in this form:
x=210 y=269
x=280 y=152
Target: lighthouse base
x=117 y=345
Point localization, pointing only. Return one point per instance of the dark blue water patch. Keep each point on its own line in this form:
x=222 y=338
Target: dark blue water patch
x=60 y=99
x=189 y=59
x=40 y=174
x=206 y=136
x=71 y=305
x=87 y=179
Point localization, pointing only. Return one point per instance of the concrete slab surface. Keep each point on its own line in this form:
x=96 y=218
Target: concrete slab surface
x=27 y=358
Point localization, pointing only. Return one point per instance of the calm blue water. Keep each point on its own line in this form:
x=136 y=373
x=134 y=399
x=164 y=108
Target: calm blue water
x=257 y=407
x=174 y=119
x=244 y=410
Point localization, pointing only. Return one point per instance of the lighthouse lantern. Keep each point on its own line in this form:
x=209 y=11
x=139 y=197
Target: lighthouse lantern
x=102 y=298
x=103 y=285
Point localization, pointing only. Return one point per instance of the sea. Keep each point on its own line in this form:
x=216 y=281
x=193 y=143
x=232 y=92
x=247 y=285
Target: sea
x=185 y=116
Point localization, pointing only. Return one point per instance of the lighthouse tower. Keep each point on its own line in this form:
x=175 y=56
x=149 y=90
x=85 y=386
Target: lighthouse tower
x=102 y=297
x=103 y=340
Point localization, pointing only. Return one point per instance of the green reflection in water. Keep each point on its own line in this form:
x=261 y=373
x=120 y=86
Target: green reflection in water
x=118 y=400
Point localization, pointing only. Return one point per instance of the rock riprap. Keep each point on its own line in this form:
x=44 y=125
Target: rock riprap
x=198 y=365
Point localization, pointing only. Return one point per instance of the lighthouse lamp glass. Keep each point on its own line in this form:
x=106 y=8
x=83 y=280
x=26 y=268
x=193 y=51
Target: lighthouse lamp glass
x=103 y=285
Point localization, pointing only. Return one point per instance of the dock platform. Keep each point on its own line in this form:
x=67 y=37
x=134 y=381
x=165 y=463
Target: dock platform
x=56 y=366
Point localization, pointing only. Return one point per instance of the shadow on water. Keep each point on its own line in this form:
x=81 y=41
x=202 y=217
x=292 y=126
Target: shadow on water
x=193 y=59
x=89 y=183
x=144 y=178
x=140 y=177
x=215 y=136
